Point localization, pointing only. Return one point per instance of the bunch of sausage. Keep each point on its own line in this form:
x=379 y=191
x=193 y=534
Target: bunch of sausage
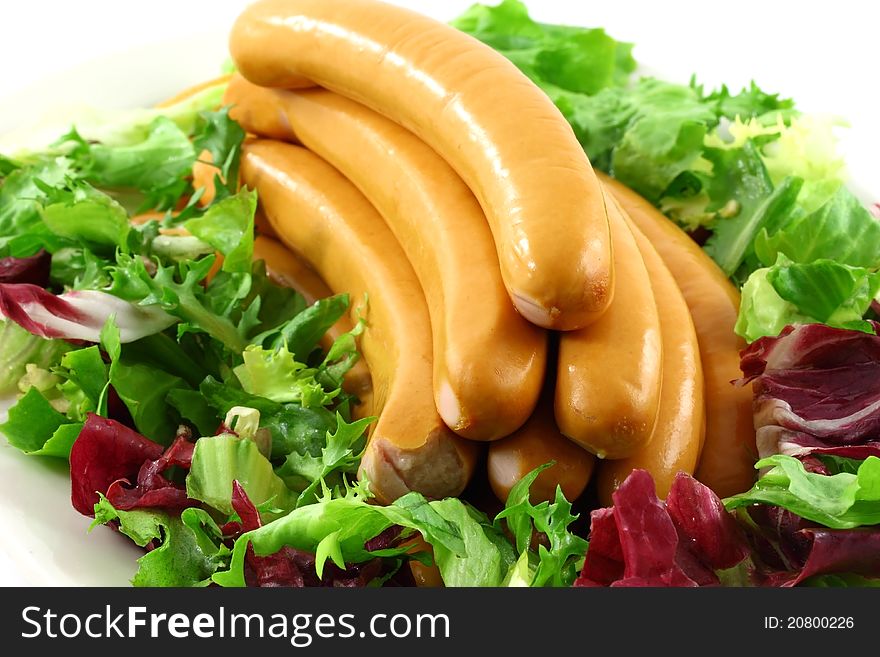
x=516 y=305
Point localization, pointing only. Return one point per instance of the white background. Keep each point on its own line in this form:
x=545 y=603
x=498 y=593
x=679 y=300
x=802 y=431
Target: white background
x=822 y=54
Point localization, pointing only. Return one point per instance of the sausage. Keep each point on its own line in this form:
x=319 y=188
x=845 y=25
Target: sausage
x=728 y=457
x=194 y=90
x=203 y=173
x=286 y=269
x=424 y=576
x=317 y=213
x=497 y=129
x=681 y=420
x=488 y=361
x=609 y=373
x=537 y=442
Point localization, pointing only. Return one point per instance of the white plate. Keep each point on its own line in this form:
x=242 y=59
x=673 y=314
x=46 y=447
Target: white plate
x=823 y=60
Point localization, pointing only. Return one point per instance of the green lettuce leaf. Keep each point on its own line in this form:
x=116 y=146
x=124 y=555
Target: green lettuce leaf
x=276 y=375
x=757 y=205
x=228 y=226
x=841 y=580
x=18 y=348
x=841 y=230
x=193 y=407
x=86 y=369
x=46 y=420
x=88 y=217
x=77 y=268
x=32 y=422
x=278 y=305
x=186 y=555
x=143 y=388
x=178 y=291
x=807 y=148
x=559 y=564
x=341 y=455
x=657 y=147
x=222 y=138
x=488 y=555
x=349 y=521
x=302 y=333
x=835 y=294
x=841 y=501
x=21 y=198
x=156 y=165
x=750 y=102
x=822 y=291
x=292 y=427
x=220 y=460
x=340 y=358
x=572 y=58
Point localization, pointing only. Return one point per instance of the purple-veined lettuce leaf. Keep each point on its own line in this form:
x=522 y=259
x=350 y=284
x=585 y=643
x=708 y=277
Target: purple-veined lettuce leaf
x=642 y=541
x=107 y=455
x=151 y=489
x=788 y=549
x=33 y=269
x=692 y=540
x=816 y=391
x=78 y=314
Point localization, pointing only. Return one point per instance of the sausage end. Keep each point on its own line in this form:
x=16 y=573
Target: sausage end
x=440 y=467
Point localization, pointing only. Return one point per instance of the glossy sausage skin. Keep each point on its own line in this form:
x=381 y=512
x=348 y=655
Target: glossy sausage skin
x=497 y=129
x=286 y=269
x=320 y=215
x=537 y=442
x=609 y=373
x=681 y=420
x=488 y=361
x=729 y=453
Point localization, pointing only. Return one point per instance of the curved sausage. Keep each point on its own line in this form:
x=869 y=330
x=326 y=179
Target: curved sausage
x=729 y=454
x=496 y=128
x=488 y=361
x=189 y=92
x=681 y=420
x=288 y=270
x=609 y=373
x=321 y=216
x=537 y=442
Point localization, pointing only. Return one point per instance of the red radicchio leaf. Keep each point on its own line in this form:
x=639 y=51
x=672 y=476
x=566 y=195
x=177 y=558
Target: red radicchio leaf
x=104 y=452
x=641 y=541
x=701 y=519
x=250 y=517
x=78 y=314
x=639 y=515
x=33 y=270
x=815 y=391
x=19 y=302
x=604 y=564
x=841 y=551
x=791 y=549
x=152 y=489
x=635 y=542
